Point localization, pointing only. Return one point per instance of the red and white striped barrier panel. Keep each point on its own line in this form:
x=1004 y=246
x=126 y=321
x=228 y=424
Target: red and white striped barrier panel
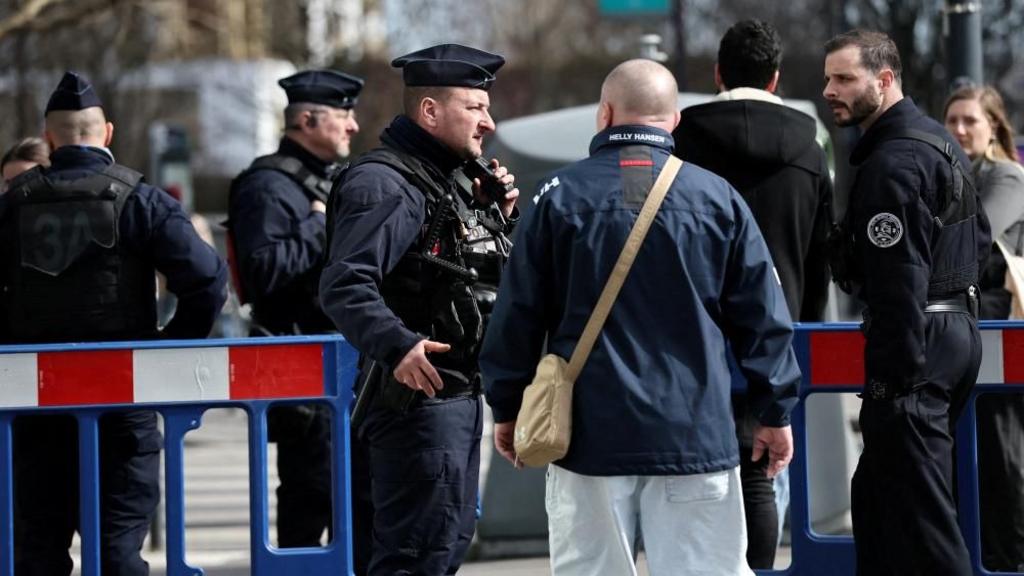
x=837 y=358
x=80 y=377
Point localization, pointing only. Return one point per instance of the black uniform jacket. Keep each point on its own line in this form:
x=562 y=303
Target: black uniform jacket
x=896 y=196
x=378 y=217
x=154 y=225
x=768 y=152
x=279 y=245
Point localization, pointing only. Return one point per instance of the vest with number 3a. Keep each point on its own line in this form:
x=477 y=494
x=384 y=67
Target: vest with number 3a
x=69 y=277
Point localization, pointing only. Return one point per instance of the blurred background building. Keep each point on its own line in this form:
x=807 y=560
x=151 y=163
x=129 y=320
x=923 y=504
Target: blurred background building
x=208 y=68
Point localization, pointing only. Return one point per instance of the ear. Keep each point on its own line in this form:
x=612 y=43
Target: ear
x=675 y=121
x=718 y=80
x=429 y=111
x=886 y=78
x=773 y=84
x=605 y=115
x=49 y=140
x=109 y=136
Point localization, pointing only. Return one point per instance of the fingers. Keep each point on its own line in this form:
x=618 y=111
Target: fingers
x=416 y=371
x=429 y=346
x=757 y=452
x=504 y=442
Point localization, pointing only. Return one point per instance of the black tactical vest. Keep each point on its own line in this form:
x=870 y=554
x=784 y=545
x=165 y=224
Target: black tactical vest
x=445 y=285
x=283 y=313
x=69 y=276
x=953 y=244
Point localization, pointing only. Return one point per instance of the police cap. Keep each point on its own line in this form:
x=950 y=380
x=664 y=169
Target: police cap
x=327 y=87
x=449 y=65
x=73 y=93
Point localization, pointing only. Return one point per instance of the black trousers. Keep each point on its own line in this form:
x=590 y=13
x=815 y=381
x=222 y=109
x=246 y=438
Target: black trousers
x=762 y=518
x=46 y=508
x=415 y=478
x=303 y=437
x=904 y=510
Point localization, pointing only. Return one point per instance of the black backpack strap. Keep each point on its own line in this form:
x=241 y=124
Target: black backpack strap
x=955 y=193
x=317 y=187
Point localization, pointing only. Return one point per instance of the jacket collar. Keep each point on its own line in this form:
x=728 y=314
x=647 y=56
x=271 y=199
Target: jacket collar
x=81 y=157
x=746 y=93
x=405 y=134
x=318 y=167
x=632 y=134
x=898 y=115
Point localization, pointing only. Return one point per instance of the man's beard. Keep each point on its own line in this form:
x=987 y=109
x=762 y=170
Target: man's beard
x=864 y=105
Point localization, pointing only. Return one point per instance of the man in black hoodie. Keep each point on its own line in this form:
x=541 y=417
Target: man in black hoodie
x=768 y=152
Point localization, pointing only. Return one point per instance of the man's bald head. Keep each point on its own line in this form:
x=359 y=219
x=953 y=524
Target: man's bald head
x=639 y=92
x=87 y=127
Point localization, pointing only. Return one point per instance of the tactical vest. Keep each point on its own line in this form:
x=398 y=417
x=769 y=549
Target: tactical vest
x=314 y=187
x=69 y=276
x=445 y=285
x=953 y=245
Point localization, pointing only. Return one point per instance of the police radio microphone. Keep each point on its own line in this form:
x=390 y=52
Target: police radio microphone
x=478 y=168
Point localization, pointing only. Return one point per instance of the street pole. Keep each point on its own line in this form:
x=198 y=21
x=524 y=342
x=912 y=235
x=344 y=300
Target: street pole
x=963 y=41
x=679 y=22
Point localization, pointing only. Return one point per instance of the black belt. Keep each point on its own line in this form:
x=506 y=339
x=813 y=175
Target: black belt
x=455 y=389
x=964 y=303
x=947 y=305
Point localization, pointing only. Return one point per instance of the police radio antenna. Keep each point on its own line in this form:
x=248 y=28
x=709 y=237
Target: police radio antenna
x=650 y=48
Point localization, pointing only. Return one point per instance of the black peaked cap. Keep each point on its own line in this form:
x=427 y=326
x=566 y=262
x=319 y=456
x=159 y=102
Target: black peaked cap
x=449 y=65
x=327 y=87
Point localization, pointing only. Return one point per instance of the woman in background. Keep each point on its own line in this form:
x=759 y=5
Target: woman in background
x=26 y=154
x=976 y=117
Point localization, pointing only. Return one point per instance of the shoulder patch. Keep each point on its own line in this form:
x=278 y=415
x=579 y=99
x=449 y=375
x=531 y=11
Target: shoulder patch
x=885 y=230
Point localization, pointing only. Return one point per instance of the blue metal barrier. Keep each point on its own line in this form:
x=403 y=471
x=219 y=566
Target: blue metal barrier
x=831 y=360
x=243 y=373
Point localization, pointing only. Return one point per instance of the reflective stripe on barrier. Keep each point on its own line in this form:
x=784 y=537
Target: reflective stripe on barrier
x=181 y=380
x=831 y=358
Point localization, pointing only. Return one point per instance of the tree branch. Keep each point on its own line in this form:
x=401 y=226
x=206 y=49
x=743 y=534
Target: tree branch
x=25 y=15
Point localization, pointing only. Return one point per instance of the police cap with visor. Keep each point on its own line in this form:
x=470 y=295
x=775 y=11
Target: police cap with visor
x=327 y=87
x=73 y=93
x=449 y=65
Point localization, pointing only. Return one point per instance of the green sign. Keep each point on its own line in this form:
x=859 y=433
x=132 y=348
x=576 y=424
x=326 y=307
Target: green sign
x=628 y=7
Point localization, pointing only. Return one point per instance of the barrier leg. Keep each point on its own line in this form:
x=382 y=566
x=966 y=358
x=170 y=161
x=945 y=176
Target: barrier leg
x=177 y=422
x=89 y=491
x=259 y=530
x=6 y=497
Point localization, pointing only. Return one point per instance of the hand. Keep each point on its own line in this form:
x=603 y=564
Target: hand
x=778 y=442
x=504 y=441
x=416 y=371
x=504 y=177
x=318 y=206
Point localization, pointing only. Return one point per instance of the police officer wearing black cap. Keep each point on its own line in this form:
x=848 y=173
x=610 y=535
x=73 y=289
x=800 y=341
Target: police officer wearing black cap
x=82 y=242
x=276 y=222
x=914 y=235
x=416 y=250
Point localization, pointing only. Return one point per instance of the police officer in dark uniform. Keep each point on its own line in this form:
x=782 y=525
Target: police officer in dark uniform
x=418 y=237
x=910 y=249
x=83 y=240
x=277 y=228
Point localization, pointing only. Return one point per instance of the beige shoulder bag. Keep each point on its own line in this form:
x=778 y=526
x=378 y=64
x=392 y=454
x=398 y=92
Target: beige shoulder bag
x=544 y=424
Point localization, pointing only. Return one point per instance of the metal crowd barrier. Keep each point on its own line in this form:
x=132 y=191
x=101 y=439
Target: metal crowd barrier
x=181 y=380
x=831 y=359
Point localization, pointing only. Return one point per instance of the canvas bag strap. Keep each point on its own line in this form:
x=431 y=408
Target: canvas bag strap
x=622 y=266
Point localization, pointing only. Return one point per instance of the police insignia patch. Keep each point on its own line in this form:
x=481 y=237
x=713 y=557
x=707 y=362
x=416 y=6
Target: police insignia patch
x=885 y=230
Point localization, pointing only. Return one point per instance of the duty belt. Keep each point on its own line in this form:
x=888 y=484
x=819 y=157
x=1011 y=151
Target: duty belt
x=965 y=303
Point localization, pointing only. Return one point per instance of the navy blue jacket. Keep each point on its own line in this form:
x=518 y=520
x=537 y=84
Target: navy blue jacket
x=653 y=397
x=279 y=245
x=899 y=184
x=154 y=225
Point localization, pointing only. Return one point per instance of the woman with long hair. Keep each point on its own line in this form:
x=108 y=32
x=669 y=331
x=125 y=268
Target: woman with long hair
x=975 y=115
